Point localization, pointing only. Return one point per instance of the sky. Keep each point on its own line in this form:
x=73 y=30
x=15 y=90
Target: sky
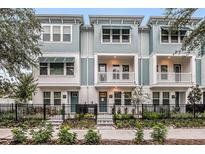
x=146 y=12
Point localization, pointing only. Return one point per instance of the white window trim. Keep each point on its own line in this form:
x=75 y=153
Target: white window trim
x=130 y=38
x=169 y=38
x=61 y=30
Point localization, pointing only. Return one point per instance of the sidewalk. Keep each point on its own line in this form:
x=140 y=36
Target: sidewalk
x=125 y=134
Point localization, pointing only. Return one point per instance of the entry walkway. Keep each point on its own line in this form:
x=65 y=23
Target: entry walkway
x=125 y=134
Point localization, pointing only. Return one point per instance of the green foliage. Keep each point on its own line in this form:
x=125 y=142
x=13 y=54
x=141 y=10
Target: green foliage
x=25 y=88
x=152 y=115
x=123 y=116
x=43 y=134
x=92 y=137
x=159 y=133
x=89 y=116
x=139 y=136
x=19 y=135
x=195 y=40
x=66 y=137
x=19 y=39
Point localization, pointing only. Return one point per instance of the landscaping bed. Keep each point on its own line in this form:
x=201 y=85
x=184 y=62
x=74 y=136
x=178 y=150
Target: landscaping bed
x=117 y=142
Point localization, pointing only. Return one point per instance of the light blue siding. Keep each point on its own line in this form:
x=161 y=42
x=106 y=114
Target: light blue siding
x=115 y=48
x=143 y=75
x=90 y=71
x=83 y=71
x=198 y=71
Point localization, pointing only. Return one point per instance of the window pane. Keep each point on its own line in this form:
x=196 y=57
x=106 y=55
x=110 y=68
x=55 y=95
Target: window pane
x=155 y=94
x=57 y=98
x=116 y=31
x=106 y=38
x=125 y=38
x=165 y=39
x=66 y=30
x=165 y=95
x=117 y=94
x=125 y=31
x=47 y=101
x=174 y=37
x=43 y=71
x=56 y=30
x=46 y=98
x=164 y=32
x=56 y=37
x=69 y=71
x=57 y=95
x=66 y=37
x=46 y=37
x=69 y=64
x=46 y=29
x=106 y=31
x=56 y=68
x=116 y=38
x=46 y=94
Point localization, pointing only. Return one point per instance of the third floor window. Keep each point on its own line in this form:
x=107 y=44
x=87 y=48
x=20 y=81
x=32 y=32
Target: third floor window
x=116 y=36
x=172 y=37
x=57 y=33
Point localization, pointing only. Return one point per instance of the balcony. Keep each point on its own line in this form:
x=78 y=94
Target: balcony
x=172 y=77
x=115 y=77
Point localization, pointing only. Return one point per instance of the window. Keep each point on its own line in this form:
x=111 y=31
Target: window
x=69 y=68
x=164 y=36
x=115 y=35
x=125 y=35
x=127 y=98
x=43 y=69
x=66 y=33
x=117 y=97
x=125 y=70
x=46 y=33
x=182 y=35
x=47 y=98
x=164 y=75
x=106 y=35
x=56 y=68
x=174 y=37
x=156 y=98
x=57 y=98
x=165 y=98
x=60 y=33
x=56 y=33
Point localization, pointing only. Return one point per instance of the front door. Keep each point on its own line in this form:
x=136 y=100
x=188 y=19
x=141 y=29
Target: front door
x=177 y=71
x=102 y=101
x=164 y=70
x=74 y=101
x=125 y=71
x=116 y=72
x=177 y=99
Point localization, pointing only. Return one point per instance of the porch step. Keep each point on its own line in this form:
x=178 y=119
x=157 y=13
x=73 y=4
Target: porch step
x=104 y=119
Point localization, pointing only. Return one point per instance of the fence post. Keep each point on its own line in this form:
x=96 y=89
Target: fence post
x=44 y=111
x=16 y=113
x=63 y=112
x=194 y=110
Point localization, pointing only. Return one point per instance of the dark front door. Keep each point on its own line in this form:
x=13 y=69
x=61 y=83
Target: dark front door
x=203 y=97
x=102 y=101
x=177 y=71
x=177 y=99
x=74 y=101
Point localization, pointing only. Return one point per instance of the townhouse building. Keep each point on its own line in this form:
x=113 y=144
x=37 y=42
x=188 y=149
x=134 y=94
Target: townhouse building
x=103 y=62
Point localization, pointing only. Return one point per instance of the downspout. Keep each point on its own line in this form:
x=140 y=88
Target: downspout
x=141 y=75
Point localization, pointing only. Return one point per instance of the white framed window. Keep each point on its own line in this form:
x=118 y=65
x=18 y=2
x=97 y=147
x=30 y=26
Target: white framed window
x=165 y=96
x=46 y=33
x=57 y=33
x=117 y=97
x=164 y=36
x=174 y=37
x=182 y=34
x=57 y=98
x=66 y=33
x=43 y=68
x=156 y=98
x=47 y=98
x=69 y=68
x=127 y=98
x=116 y=36
x=56 y=68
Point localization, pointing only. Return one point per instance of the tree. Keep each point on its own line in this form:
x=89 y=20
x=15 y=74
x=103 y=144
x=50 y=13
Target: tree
x=195 y=40
x=19 y=40
x=24 y=88
x=5 y=88
x=139 y=96
x=194 y=96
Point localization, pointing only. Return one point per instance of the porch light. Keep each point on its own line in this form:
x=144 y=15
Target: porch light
x=115 y=57
x=169 y=57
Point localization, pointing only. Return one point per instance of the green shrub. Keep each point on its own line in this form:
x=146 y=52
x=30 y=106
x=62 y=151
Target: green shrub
x=66 y=137
x=159 y=133
x=43 y=134
x=152 y=115
x=119 y=124
x=92 y=137
x=19 y=135
x=139 y=136
x=89 y=116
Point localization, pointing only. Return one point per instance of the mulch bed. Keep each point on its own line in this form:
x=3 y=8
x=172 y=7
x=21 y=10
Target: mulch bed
x=119 y=142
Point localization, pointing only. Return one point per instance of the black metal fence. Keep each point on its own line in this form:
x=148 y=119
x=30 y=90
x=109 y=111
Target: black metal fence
x=62 y=112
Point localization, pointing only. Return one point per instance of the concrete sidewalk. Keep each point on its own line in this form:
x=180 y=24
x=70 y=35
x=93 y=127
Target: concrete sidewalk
x=125 y=134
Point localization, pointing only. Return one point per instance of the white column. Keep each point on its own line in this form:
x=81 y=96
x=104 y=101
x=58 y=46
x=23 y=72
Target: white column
x=136 y=71
x=96 y=68
x=193 y=68
x=154 y=65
